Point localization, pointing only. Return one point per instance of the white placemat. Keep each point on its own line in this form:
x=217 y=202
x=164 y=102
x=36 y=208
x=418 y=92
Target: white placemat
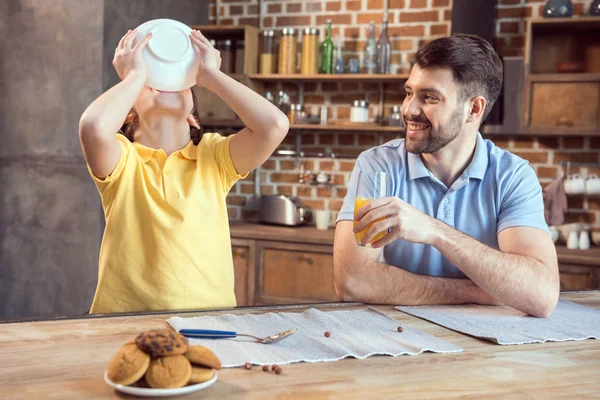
x=507 y=326
x=356 y=333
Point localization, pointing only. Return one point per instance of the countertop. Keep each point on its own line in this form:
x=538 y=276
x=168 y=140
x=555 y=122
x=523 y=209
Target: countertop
x=66 y=359
x=312 y=235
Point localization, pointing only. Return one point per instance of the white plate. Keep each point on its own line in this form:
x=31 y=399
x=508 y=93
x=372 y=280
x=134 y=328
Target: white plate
x=149 y=392
x=169 y=55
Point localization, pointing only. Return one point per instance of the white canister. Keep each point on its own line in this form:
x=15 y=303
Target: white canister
x=573 y=240
x=584 y=240
x=575 y=184
x=592 y=184
x=359 y=112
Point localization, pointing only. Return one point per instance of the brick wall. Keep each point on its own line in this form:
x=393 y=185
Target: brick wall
x=412 y=22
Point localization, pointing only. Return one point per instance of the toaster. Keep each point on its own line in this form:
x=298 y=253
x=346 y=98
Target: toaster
x=283 y=210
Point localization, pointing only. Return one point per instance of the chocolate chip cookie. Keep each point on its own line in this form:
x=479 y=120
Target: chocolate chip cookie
x=200 y=355
x=162 y=342
x=169 y=372
x=128 y=365
x=201 y=374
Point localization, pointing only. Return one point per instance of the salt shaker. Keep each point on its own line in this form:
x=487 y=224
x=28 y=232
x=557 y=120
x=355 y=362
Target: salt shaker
x=584 y=240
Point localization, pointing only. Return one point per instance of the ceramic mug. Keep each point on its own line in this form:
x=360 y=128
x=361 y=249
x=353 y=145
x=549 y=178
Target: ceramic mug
x=592 y=184
x=584 y=240
x=575 y=184
x=573 y=240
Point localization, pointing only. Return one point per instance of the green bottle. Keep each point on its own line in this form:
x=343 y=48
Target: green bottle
x=327 y=52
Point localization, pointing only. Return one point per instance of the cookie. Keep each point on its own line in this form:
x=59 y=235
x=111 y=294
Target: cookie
x=200 y=355
x=201 y=374
x=162 y=342
x=128 y=365
x=169 y=372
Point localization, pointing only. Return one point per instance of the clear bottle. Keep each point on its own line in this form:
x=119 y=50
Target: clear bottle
x=370 y=51
x=338 y=67
x=268 y=53
x=327 y=52
x=287 y=51
x=384 y=50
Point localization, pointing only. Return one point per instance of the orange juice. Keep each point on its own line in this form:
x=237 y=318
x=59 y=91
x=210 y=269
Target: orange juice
x=358 y=203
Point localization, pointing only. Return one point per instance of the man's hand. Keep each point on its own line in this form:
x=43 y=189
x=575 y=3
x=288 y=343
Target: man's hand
x=398 y=218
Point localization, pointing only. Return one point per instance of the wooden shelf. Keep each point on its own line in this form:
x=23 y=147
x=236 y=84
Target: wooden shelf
x=577 y=77
x=377 y=78
x=309 y=127
x=577 y=22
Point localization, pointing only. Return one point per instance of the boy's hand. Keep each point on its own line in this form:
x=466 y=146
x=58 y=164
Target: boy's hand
x=128 y=57
x=210 y=58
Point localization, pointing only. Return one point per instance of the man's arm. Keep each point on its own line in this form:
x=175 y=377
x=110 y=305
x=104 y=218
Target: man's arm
x=523 y=274
x=359 y=277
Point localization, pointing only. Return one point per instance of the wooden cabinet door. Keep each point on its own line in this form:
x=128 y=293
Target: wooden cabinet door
x=576 y=277
x=243 y=265
x=295 y=273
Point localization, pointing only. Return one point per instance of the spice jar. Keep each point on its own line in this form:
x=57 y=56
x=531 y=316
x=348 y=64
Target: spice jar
x=224 y=47
x=359 y=112
x=287 y=51
x=296 y=111
x=268 y=54
x=310 y=51
x=240 y=49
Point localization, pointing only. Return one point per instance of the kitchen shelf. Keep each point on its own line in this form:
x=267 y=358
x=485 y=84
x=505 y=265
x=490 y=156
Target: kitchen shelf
x=376 y=78
x=308 y=127
x=559 y=77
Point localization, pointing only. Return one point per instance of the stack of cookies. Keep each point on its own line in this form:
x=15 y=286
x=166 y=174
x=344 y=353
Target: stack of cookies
x=162 y=359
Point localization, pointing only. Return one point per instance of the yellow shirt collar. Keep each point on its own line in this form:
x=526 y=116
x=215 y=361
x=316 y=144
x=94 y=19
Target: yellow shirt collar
x=189 y=151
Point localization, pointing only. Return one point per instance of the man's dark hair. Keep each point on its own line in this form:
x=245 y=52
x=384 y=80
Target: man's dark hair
x=476 y=66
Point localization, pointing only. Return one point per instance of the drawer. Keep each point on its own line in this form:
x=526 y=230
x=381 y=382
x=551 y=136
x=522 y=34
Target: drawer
x=576 y=277
x=293 y=273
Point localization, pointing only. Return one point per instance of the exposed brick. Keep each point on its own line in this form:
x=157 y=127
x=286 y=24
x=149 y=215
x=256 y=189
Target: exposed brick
x=367 y=139
x=326 y=166
x=226 y=21
x=447 y=15
x=523 y=143
x=235 y=200
x=293 y=7
x=285 y=190
x=573 y=142
x=287 y=165
x=308 y=138
x=267 y=189
x=236 y=10
x=315 y=204
x=268 y=22
x=375 y=5
x=578 y=9
x=365 y=18
x=274 y=8
x=341 y=192
x=246 y=188
x=413 y=30
x=352 y=33
x=335 y=205
x=354 y=5
x=581 y=156
x=595 y=143
x=419 y=16
x=547 y=172
x=292 y=21
x=593 y=204
x=233 y=212
x=284 y=177
x=418 y=3
x=324 y=192
x=336 y=19
x=533 y=156
x=513 y=12
x=346 y=165
x=304 y=191
x=253 y=9
x=325 y=138
x=343 y=112
x=440 y=29
x=333 y=6
x=509 y=2
x=397 y=4
x=548 y=143
x=249 y=21
x=509 y=27
x=441 y=3
x=312 y=7
x=583 y=217
x=222 y=11
x=269 y=164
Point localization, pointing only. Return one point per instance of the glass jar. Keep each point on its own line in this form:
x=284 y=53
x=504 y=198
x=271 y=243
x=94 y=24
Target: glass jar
x=287 y=51
x=268 y=55
x=310 y=51
x=240 y=50
x=296 y=112
x=359 y=112
x=224 y=46
x=395 y=116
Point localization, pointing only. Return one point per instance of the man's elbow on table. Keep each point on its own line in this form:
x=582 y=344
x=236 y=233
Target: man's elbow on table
x=548 y=299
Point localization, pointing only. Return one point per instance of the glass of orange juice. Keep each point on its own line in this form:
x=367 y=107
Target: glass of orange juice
x=371 y=185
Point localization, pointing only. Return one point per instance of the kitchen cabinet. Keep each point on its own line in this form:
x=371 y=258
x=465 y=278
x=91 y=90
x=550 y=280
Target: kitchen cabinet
x=579 y=277
x=243 y=265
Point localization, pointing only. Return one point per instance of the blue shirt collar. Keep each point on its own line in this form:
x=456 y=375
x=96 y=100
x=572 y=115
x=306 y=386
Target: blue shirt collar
x=476 y=169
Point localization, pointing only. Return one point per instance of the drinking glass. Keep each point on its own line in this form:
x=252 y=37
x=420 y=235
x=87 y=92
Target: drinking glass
x=371 y=185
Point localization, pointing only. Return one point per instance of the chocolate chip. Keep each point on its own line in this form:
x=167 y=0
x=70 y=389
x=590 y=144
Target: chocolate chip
x=169 y=348
x=177 y=345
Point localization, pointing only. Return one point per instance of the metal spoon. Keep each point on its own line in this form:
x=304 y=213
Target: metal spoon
x=211 y=334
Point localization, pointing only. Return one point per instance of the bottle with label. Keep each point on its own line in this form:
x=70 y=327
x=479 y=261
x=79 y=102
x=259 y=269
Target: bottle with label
x=384 y=49
x=370 y=51
x=327 y=52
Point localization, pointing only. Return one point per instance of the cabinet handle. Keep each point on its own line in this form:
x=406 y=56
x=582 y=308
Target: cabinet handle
x=239 y=253
x=307 y=259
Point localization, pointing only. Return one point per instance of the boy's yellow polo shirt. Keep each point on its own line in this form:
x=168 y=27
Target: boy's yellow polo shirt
x=166 y=244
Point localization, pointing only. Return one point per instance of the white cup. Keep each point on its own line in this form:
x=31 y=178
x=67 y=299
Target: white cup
x=575 y=184
x=592 y=184
x=573 y=240
x=584 y=240
x=322 y=220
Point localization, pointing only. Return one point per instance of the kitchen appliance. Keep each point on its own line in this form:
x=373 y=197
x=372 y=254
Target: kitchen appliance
x=283 y=210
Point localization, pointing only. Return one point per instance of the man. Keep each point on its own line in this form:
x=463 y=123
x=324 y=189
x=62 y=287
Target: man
x=463 y=220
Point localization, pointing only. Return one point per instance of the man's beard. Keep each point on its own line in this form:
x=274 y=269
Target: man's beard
x=437 y=138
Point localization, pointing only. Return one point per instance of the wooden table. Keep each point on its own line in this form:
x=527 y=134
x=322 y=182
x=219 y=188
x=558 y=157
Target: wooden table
x=66 y=359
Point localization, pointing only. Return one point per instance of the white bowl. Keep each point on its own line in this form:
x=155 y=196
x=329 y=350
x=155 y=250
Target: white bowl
x=169 y=55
